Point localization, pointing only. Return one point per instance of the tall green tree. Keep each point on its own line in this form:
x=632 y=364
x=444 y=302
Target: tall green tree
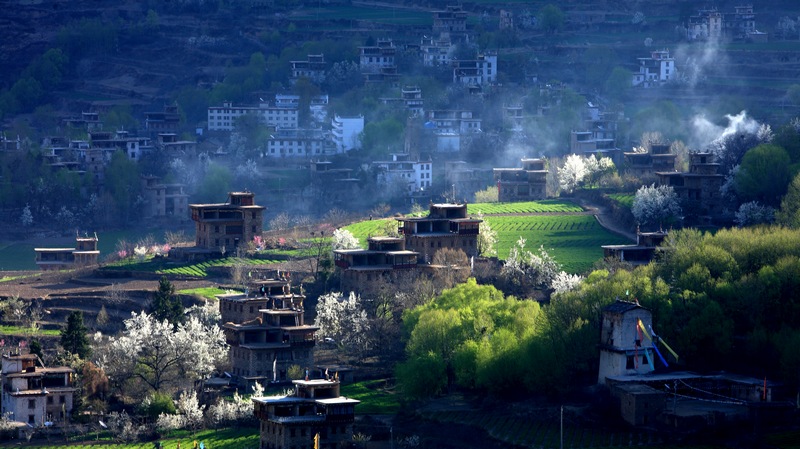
x=73 y=337
x=551 y=19
x=166 y=305
x=789 y=214
x=764 y=174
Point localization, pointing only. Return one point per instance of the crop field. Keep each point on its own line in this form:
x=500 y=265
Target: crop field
x=529 y=207
x=624 y=199
x=230 y=438
x=376 y=396
x=573 y=240
x=365 y=229
x=159 y=266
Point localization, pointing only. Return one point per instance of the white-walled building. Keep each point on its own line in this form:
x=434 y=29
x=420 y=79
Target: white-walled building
x=346 y=131
x=222 y=118
x=312 y=68
x=479 y=71
x=299 y=143
x=436 y=51
x=656 y=70
x=449 y=125
x=34 y=394
x=415 y=174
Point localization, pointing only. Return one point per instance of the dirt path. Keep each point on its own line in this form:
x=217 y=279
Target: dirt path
x=606 y=219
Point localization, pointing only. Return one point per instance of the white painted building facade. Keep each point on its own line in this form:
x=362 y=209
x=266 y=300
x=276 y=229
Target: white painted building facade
x=346 y=132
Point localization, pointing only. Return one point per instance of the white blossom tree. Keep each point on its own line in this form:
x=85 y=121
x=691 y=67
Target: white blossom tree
x=27 y=217
x=754 y=213
x=655 y=205
x=571 y=173
x=564 y=282
x=344 y=320
x=487 y=238
x=344 y=239
x=578 y=170
x=160 y=354
x=529 y=270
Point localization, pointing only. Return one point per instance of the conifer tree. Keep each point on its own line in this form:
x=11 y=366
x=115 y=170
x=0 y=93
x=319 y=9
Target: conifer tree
x=167 y=306
x=73 y=337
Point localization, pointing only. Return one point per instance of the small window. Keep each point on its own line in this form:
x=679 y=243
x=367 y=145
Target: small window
x=31 y=404
x=49 y=400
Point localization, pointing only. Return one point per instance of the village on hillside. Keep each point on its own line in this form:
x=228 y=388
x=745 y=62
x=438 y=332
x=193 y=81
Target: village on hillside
x=416 y=224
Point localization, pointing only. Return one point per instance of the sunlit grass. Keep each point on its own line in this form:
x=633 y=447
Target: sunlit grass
x=376 y=396
x=27 y=331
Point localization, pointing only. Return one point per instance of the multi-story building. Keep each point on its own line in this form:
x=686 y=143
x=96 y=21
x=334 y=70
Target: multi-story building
x=528 y=183
x=449 y=125
x=656 y=70
x=643 y=252
x=134 y=147
x=410 y=98
x=163 y=200
x=416 y=175
x=345 y=133
x=33 y=393
x=299 y=143
x=377 y=62
x=452 y=20
x=465 y=179
x=313 y=68
x=224 y=118
x=480 y=71
x=383 y=258
x=263 y=349
x=698 y=189
x=167 y=120
x=436 y=51
x=643 y=165
x=446 y=226
x=316 y=415
x=622 y=351
x=712 y=25
x=88 y=121
x=84 y=253
x=170 y=145
x=228 y=224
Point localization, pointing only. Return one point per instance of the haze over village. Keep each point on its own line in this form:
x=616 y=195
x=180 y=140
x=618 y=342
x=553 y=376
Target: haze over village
x=405 y=223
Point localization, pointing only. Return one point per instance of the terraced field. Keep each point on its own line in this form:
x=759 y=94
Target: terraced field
x=529 y=207
x=198 y=269
x=573 y=240
x=230 y=438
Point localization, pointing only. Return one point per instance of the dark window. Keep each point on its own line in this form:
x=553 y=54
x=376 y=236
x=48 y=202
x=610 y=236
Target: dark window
x=49 y=399
x=31 y=403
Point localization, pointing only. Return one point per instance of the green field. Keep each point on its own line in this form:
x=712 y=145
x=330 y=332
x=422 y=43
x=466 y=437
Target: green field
x=376 y=396
x=163 y=266
x=230 y=438
x=573 y=240
x=28 y=332
x=624 y=199
x=529 y=207
x=365 y=229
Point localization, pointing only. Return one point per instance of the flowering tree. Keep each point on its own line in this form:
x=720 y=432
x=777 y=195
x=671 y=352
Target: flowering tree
x=487 y=238
x=564 y=282
x=578 y=170
x=754 y=213
x=529 y=270
x=160 y=354
x=572 y=172
x=655 y=205
x=343 y=319
x=344 y=239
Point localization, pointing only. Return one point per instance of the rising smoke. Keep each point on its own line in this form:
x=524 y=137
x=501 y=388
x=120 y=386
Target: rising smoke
x=705 y=133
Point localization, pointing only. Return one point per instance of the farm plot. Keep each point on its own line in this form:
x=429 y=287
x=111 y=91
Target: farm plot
x=199 y=269
x=230 y=438
x=529 y=207
x=546 y=434
x=573 y=240
x=365 y=229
